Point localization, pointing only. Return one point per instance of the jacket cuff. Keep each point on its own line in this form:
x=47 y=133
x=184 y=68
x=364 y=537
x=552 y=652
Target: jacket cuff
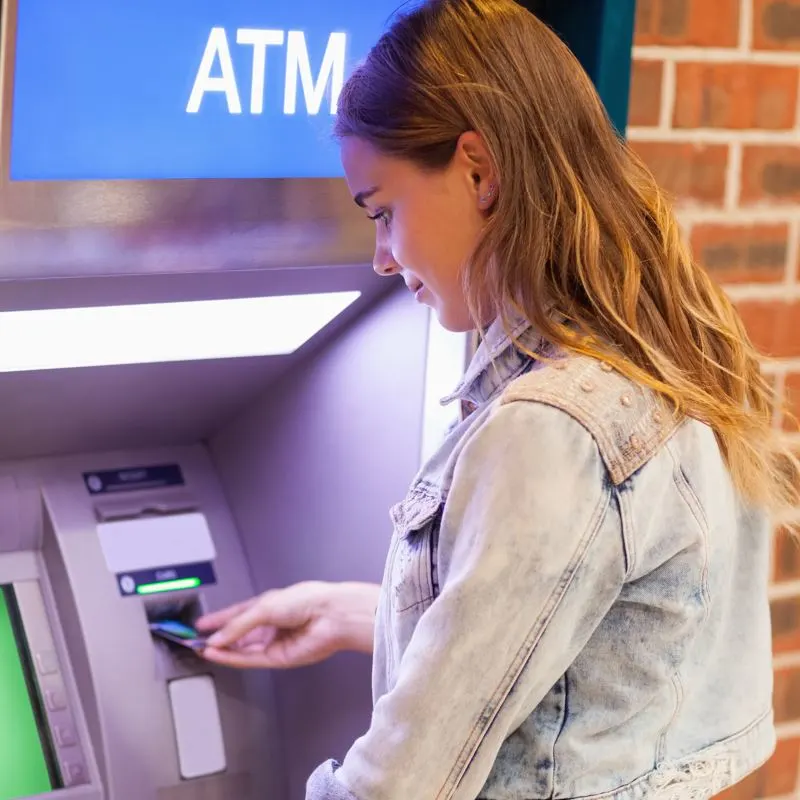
x=324 y=785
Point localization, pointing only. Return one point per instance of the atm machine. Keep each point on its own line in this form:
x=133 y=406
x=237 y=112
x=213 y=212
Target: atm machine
x=205 y=390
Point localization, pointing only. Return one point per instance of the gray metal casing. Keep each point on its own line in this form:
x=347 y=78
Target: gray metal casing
x=114 y=674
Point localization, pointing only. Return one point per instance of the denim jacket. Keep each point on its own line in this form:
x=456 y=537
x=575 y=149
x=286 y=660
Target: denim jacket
x=574 y=603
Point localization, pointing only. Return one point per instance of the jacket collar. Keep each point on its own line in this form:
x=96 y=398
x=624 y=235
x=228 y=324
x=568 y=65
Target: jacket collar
x=496 y=362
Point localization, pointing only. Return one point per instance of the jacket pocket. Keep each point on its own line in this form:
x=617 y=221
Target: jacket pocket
x=412 y=578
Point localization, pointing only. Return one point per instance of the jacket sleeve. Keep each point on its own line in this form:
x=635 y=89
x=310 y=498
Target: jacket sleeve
x=533 y=541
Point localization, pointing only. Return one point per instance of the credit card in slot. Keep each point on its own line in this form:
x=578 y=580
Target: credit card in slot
x=178 y=633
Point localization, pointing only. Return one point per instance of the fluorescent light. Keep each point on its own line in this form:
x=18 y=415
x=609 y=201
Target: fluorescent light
x=63 y=338
x=446 y=360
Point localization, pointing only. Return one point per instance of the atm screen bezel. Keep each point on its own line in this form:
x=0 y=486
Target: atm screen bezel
x=18 y=627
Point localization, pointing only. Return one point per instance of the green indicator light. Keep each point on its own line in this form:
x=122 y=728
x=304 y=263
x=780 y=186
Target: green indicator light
x=168 y=586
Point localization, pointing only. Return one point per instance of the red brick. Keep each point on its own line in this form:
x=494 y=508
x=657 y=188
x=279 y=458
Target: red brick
x=688 y=22
x=776 y=25
x=773 y=325
x=781 y=769
x=735 y=96
x=742 y=253
x=786 y=556
x=786 y=694
x=687 y=171
x=748 y=789
x=771 y=173
x=786 y=628
x=645 y=97
x=776 y=777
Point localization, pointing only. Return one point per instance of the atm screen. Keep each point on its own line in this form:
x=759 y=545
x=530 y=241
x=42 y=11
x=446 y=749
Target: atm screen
x=28 y=766
x=186 y=89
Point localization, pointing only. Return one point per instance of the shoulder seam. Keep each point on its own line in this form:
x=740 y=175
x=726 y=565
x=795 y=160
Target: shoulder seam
x=629 y=423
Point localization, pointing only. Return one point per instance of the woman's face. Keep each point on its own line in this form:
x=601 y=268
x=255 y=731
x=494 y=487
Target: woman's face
x=426 y=223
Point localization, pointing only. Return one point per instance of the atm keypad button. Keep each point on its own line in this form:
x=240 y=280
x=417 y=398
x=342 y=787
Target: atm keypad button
x=65 y=735
x=46 y=662
x=74 y=773
x=55 y=699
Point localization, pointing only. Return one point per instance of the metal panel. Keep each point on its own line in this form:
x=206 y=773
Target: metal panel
x=63 y=411
x=600 y=33
x=121 y=672
x=310 y=470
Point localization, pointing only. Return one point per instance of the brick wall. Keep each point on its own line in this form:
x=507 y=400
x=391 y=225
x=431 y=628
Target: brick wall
x=714 y=112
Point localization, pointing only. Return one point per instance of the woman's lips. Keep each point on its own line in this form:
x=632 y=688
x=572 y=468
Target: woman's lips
x=415 y=288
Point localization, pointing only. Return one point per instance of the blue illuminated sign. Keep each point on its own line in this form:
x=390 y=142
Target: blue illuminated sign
x=158 y=89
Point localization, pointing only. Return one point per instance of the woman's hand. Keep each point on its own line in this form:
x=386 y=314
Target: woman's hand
x=293 y=627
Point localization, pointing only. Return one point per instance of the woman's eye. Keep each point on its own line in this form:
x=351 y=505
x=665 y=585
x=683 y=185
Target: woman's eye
x=383 y=216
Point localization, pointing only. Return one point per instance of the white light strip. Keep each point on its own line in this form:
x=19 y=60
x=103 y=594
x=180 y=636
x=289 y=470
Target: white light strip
x=64 y=338
x=446 y=361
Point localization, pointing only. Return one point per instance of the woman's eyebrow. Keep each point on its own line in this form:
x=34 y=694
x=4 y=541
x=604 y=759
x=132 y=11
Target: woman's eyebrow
x=361 y=197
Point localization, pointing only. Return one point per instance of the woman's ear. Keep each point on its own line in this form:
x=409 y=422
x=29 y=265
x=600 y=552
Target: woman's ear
x=474 y=158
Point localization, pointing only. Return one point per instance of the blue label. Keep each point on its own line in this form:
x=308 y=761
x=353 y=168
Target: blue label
x=159 y=89
x=131 y=479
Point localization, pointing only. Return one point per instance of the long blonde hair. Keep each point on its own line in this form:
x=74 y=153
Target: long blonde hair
x=579 y=225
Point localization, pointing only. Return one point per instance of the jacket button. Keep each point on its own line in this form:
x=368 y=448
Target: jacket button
x=587 y=386
x=606 y=367
x=657 y=418
x=635 y=442
x=560 y=364
x=626 y=400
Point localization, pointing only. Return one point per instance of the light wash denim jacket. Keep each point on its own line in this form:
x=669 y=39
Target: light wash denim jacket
x=574 y=603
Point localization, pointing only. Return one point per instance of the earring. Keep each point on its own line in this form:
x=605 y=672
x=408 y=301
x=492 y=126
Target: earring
x=488 y=196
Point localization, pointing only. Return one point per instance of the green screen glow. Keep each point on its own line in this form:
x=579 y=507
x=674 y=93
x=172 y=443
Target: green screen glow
x=24 y=768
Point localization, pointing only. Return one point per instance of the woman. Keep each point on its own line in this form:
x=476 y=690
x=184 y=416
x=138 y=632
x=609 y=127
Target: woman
x=574 y=603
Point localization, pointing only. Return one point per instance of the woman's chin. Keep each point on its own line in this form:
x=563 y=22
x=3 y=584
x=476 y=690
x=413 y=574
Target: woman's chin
x=453 y=321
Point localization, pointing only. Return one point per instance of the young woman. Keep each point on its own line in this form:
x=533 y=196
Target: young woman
x=574 y=603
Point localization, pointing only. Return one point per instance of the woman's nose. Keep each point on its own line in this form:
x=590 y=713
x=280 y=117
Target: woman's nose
x=384 y=264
